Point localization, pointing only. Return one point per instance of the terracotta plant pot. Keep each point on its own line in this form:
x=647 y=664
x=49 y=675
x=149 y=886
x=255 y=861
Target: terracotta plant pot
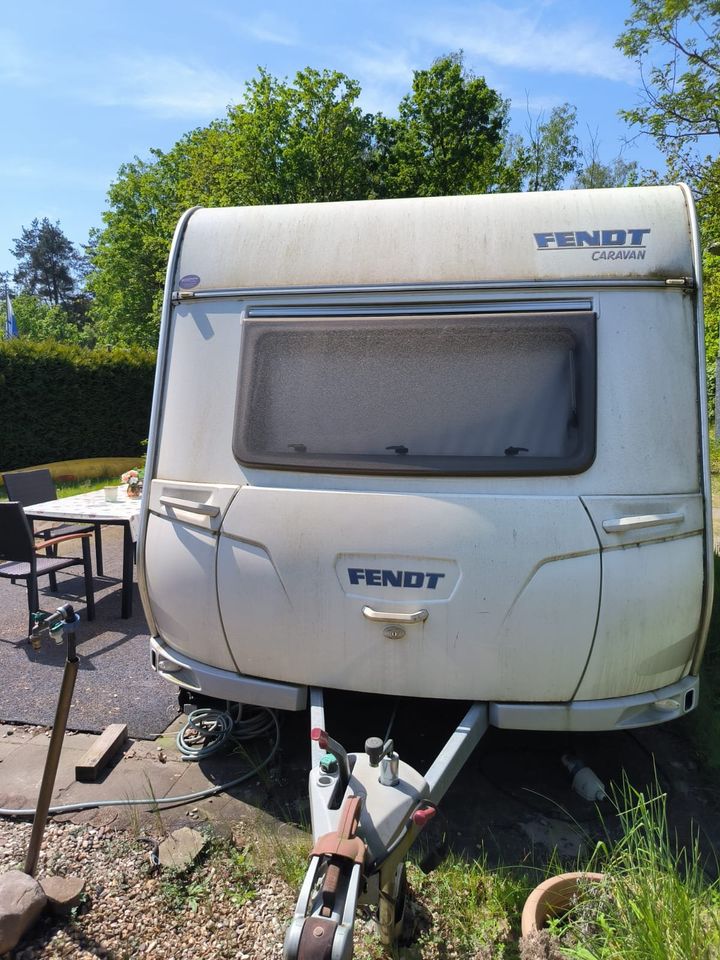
x=554 y=897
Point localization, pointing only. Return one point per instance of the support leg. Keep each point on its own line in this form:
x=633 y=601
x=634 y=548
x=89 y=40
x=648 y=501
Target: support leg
x=127 y=577
x=50 y=552
x=33 y=601
x=89 y=587
x=56 y=741
x=391 y=906
x=98 y=550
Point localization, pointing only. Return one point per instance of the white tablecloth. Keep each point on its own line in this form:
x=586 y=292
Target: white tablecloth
x=90 y=507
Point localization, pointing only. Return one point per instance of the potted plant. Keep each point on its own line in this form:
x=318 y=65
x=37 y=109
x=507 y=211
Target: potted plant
x=134 y=481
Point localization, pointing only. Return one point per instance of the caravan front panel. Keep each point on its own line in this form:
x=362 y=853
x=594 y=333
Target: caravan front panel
x=451 y=447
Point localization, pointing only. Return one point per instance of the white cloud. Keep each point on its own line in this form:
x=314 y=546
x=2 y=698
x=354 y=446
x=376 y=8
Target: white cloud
x=385 y=75
x=264 y=30
x=381 y=65
x=165 y=86
x=267 y=27
x=44 y=172
x=16 y=66
x=516 y=38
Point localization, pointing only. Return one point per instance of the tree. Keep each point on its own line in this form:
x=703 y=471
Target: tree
x=676 y=44
x=592 y=173
x=549 y=155
x=130 y=254
x=49 y=266
x=447 y=139
x=328 y=139
x=284 y=143
x=680 y=102
x=37 y=320
x=709 y=217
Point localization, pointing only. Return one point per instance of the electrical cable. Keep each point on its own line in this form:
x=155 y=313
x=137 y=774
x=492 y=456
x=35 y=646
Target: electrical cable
x=164 y=802
x=390 y=725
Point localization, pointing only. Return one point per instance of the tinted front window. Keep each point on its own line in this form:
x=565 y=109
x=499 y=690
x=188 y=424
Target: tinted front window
x=443 y=394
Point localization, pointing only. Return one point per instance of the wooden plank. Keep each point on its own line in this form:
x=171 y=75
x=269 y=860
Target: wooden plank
x=101 y=752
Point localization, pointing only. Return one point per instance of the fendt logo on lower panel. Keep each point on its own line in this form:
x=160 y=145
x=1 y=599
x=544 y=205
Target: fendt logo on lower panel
x=394 y=578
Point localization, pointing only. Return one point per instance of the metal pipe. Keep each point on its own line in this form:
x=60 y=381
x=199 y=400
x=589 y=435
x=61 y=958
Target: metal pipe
x=53 y=755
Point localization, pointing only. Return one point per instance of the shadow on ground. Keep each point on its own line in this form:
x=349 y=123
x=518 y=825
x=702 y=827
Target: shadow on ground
x=512 y=803
x=115 y=682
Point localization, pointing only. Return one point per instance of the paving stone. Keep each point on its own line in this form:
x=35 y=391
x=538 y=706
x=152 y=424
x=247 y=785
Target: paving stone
x=21 y=902
x=24 y=768
x=63 y=893
x=181 y=848
x=7 y=748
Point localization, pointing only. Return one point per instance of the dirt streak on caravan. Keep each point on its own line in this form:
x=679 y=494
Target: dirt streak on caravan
x=501 y=394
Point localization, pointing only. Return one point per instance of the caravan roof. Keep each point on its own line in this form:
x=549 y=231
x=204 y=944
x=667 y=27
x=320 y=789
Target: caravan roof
x=629 y=233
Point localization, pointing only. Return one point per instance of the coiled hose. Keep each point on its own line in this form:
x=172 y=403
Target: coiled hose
x=208 y=730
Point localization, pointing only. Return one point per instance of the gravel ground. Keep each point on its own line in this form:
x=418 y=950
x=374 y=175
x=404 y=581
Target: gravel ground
x=223 y=908
x=232 y=904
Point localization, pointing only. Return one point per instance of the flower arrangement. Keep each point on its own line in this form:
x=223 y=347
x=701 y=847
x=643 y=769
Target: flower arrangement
x=133 y=479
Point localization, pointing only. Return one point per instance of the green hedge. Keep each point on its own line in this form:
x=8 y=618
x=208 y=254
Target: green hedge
x=60 y=402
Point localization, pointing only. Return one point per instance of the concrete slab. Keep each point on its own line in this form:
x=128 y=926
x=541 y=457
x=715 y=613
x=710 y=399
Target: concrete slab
x=22 y=770
x=130 y=779
x=7 y=748
x=115 y=682
x=71 y=740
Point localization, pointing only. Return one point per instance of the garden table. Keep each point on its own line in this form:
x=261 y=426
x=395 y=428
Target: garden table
x=93 y=507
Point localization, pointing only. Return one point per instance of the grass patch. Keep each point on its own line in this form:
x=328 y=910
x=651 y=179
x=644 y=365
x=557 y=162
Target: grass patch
x=69 y=489
x=82 y=476
x=655 y=902
x=222 y=870
x=476 y=910
x=284 y=852
x=714 y=451
x=86 y=486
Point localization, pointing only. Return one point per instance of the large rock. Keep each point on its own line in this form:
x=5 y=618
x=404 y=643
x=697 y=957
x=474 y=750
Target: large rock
x=181 y=848
x=21 y=902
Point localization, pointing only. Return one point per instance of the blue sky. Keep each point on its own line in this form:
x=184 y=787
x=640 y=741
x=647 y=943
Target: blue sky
x=86 y=85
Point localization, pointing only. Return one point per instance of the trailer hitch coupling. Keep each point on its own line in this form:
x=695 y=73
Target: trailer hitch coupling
x=322 y=927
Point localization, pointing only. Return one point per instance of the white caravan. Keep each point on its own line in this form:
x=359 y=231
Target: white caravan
x=449 y=447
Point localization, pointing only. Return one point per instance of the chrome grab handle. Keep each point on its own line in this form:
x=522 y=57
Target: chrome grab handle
x=640 y=523
x=175 y=503
x=383 y=616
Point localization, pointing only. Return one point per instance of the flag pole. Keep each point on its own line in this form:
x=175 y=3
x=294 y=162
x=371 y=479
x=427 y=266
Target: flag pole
x=10 y=322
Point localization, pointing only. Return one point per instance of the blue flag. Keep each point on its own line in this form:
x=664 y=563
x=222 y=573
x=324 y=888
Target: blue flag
x=10 y=323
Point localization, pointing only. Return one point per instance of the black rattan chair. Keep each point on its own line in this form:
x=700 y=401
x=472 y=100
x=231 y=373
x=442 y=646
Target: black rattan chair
x=19 y=559
x=37 y=486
